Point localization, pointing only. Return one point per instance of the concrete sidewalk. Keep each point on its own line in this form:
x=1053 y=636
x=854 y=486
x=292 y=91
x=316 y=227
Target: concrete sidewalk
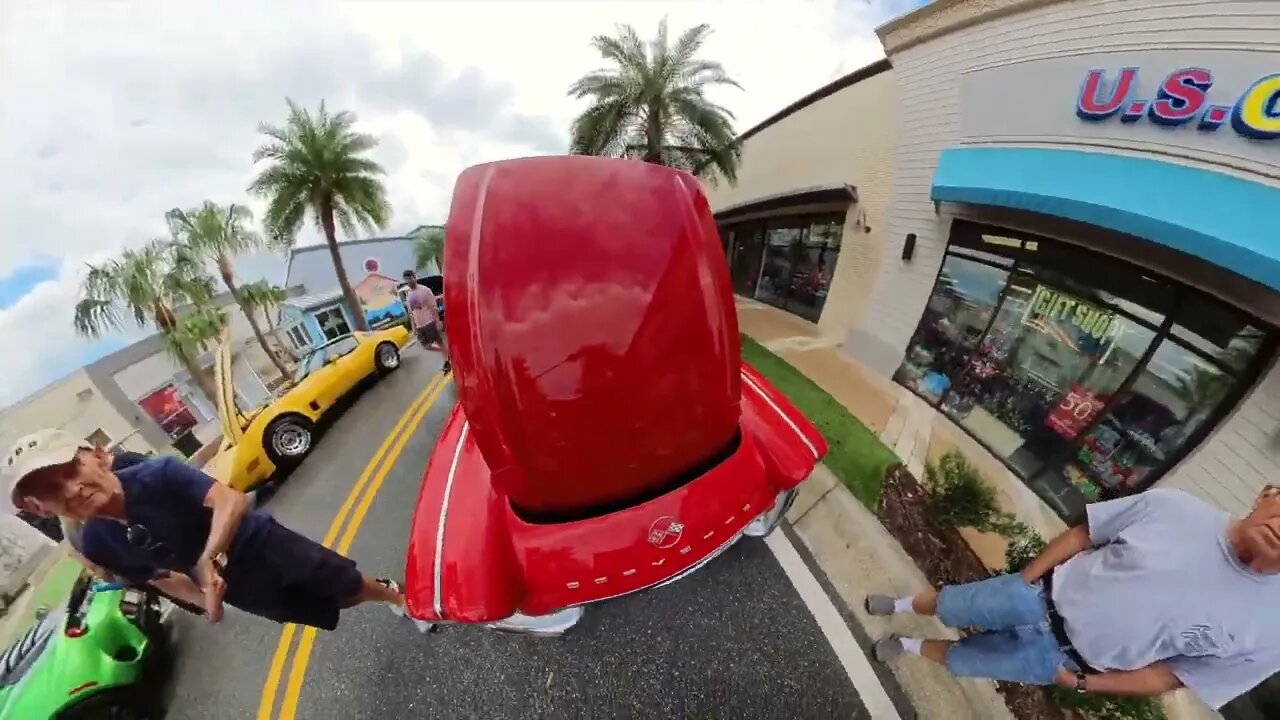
x=845 y=538
x=859 y=556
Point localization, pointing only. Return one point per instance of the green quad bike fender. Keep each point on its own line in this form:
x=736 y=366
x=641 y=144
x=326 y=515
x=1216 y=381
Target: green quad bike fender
x=85 y=660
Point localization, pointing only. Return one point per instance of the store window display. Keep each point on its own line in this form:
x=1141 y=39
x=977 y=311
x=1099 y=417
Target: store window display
x=787 y=262
x=1088 y=377
x=952 y=328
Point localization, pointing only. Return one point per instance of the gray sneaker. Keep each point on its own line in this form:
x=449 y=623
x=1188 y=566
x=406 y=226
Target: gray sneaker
x=889 y=648
x=879 y=605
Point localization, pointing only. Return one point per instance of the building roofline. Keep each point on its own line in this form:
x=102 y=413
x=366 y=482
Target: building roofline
x=346 y=243
x=831 y=88
x=945 y=16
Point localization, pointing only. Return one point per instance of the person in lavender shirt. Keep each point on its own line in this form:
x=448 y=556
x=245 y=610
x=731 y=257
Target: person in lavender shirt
x=425 y=317
x=1151 y=593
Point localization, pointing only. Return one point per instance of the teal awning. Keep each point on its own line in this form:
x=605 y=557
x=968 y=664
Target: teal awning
x=1219 y=218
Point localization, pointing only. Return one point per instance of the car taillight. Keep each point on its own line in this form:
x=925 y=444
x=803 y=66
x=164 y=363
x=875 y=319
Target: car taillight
x=75 y=631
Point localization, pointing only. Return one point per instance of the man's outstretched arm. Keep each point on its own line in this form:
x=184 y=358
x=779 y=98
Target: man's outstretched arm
x=1064 y=547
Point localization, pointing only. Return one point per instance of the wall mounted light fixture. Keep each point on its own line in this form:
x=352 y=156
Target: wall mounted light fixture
x=909 y=246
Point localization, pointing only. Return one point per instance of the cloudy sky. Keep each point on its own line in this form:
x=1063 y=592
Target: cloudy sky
x=113 y=112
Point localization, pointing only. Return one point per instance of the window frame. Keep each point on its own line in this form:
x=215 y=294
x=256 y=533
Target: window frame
x=341 y=316
x=1244 y=379
x=803 y=221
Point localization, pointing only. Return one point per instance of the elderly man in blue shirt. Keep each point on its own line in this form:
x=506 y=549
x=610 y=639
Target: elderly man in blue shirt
x=163 y=522
x=1154 y=592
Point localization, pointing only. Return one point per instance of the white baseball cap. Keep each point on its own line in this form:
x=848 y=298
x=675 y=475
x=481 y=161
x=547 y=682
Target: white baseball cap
x=37 y=451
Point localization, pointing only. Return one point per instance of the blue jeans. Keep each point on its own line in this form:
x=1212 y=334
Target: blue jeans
x=1015 y=645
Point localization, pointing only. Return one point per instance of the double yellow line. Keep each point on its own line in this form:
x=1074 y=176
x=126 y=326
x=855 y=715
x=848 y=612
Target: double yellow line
x=356 y=506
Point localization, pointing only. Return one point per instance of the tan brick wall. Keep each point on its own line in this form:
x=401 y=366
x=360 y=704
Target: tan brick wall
x=848 y=137
x=1241 y=456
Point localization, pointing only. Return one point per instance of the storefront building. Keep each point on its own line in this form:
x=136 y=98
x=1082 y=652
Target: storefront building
x=1078 y=264
x=798 y=225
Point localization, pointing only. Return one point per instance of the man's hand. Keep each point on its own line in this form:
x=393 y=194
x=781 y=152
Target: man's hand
x=212 y=585
x=1152 y=680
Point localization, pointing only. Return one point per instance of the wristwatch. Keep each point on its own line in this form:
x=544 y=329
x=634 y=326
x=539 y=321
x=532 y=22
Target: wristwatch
x=1080 y=683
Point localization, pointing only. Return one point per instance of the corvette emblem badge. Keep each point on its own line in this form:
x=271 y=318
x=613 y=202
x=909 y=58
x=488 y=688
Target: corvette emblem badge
x=665 y=532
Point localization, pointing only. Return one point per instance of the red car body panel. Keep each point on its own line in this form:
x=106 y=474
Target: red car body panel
x=607 y=436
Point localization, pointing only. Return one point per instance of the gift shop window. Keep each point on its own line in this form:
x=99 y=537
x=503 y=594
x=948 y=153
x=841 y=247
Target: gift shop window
x=1089 y=377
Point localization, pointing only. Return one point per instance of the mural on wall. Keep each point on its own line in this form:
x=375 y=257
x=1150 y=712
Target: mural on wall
x=378 y=298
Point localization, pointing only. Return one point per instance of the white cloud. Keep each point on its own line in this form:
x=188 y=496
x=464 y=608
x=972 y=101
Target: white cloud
x=112 y=113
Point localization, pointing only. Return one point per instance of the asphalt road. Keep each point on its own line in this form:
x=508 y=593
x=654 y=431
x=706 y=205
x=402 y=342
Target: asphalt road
x=731 y=641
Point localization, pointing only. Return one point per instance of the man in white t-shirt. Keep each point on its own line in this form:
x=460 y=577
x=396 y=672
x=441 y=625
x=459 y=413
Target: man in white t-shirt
x=1156 y=591
x=425 y=317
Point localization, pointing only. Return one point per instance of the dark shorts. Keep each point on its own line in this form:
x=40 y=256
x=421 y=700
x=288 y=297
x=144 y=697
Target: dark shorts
x=290 y=578
x=429 y=335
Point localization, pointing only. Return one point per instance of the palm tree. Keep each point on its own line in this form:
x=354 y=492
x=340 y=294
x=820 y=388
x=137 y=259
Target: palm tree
x=428 y=247
x=195 y=332
x=265 y=297
x=317 y=166
x=262 y=295
x=145 y=285
x=652 y=106
x=218 y=233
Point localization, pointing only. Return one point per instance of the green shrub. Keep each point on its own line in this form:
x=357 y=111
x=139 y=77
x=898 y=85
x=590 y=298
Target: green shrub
x=1106 y=707
x=1024 y=545
x=958 y=497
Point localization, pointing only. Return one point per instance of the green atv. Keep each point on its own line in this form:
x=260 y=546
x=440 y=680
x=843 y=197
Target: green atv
x=92 y=659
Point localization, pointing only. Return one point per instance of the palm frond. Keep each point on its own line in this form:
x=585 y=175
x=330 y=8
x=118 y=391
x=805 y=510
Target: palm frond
x=214 y=233
x=428 y=247
x=94 y=317
x=625 y=49
x=195 y=332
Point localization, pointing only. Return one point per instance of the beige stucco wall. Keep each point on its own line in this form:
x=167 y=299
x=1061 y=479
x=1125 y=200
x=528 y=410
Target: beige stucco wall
x=847 y=137
x=73 y=404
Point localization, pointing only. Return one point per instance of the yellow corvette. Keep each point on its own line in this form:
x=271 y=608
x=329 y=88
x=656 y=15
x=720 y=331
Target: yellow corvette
x=282 y=432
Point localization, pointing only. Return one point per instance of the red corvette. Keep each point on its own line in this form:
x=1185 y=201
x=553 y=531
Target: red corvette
x=608 y=437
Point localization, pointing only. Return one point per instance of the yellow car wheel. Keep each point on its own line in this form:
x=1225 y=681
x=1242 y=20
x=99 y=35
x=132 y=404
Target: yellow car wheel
x=386 y=357
x=289 y=439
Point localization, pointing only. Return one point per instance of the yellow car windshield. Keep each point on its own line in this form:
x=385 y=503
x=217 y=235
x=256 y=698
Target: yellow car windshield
x=321 y=356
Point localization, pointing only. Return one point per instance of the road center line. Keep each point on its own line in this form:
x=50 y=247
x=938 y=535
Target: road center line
x=847 y=650
x=271 y=685
x=298 y=673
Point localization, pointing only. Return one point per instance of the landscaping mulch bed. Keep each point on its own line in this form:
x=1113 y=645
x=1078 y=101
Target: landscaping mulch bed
x=945 y=558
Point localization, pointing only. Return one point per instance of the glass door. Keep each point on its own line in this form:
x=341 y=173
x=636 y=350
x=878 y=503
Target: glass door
x=748 y=249
x=781 y=245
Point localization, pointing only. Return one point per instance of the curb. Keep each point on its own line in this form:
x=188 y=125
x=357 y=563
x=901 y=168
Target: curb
x=888 y=681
